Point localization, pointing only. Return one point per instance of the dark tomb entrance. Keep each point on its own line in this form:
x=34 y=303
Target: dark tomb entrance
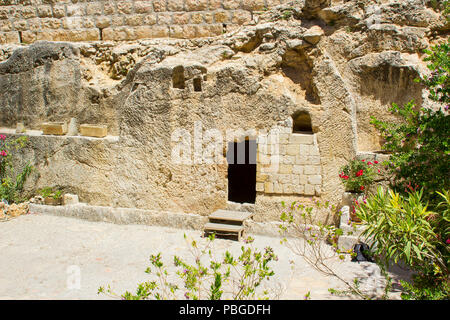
x=241 y=157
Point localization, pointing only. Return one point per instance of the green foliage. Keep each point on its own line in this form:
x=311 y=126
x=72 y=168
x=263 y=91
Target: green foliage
x=49 y=192
x=286 y=14
x=425 y=288
x=228 y=278
x=420 y=144
x=443 y=6
x=404 y=229
x=438 y=82
x=12 y=180
x=358 y=175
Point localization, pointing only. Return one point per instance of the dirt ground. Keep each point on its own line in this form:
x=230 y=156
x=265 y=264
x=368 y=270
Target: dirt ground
x=51 y=257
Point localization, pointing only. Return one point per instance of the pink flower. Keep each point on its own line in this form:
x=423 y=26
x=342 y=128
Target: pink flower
x=3 y=153
x=448 y=241
x=2 y=137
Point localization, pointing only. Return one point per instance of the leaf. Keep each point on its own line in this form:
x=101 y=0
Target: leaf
x=408 y=250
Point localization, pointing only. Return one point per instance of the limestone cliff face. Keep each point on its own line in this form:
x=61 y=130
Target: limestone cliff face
x=338 y=61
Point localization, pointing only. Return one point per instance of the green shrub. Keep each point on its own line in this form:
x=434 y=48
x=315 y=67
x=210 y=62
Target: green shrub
x=12 y=181
x=402 y=228
x=420 y=144
x=228 y=278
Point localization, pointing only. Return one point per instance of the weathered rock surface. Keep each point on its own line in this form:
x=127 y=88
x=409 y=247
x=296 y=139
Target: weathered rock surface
x=13 y=210
x=339 y=61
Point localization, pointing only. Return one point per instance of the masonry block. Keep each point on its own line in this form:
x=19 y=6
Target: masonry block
x=91 y=130
x=309 y=190
x=70 y=199
x=299 y=189
x=315 y=179
x=260 y=186
x=268 y=187
x=302 y=138
x=297 y=169
x=241 y=17
x=303 y=179
x=292 y=149
x=278 y=187
x=56 y=128
x=9 y=37
x=285 y=168
x=196 y=5
x=311 y=169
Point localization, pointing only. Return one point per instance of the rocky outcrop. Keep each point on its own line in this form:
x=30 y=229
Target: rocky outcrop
x=9 y=211
x=340 y=62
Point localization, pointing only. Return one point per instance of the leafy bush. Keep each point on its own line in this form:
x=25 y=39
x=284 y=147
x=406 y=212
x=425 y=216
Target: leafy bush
x=228 y=278
x=420 y=144
x=358 y=175
x=421 y=148
x=12 y=182
x=425 y=288
x=402 y=228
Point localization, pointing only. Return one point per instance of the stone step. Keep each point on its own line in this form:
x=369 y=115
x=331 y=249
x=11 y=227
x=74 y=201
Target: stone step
x=232 y=216
x=224 y=230
x=237 y=206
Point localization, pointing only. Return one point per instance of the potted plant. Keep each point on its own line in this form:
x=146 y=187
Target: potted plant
x=357 y=176
x=51 y=197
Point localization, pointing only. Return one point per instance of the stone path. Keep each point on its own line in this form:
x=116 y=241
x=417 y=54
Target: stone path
x=41 y=256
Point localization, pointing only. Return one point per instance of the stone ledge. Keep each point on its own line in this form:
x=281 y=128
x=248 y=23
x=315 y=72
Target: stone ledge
x=150 y=217
x=124 y=215
x=39 y=133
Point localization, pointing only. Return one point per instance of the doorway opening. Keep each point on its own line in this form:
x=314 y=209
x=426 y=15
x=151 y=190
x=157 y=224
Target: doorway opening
x=241 y=157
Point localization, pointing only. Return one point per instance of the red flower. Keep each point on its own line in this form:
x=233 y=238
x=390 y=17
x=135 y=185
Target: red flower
x=363 y=160
x=448 y=241
x=379 y=171
x=361 y=188
x=343 y=176
x=376 y=162
x=360 y=173
x=369 y=163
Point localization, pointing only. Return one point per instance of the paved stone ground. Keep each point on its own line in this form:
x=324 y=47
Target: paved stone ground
x=37 y=252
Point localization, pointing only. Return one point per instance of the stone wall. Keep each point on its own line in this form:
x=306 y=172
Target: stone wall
x=256 y=79
x=26 y=21
x=297 y=169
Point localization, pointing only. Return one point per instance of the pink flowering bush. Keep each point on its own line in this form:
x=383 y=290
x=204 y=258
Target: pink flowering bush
x=358 y=175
